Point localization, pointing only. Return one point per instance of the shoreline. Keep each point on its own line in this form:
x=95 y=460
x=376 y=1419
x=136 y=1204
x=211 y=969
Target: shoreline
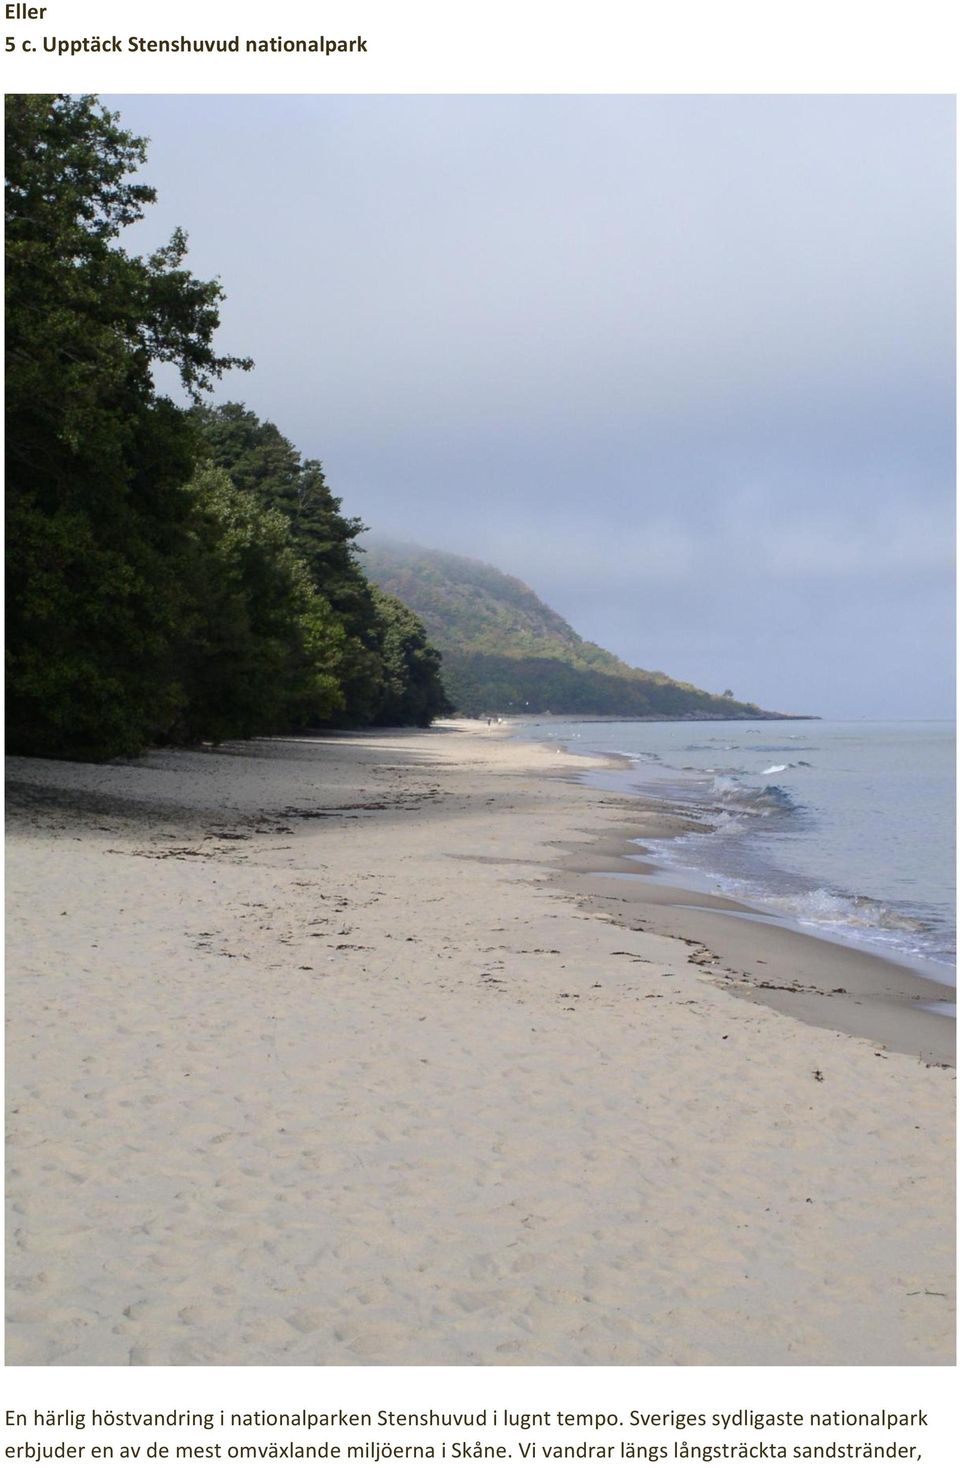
x=353 y=1065
x=877 y=996
x=817 y=979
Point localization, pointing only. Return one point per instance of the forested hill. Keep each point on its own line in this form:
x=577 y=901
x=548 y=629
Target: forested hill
x=504 y=651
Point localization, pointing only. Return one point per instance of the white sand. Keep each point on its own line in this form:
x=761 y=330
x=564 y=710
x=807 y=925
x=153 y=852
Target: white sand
x=367 y=1088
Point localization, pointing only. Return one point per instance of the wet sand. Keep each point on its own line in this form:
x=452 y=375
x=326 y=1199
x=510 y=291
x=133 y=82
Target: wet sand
x=760 y=958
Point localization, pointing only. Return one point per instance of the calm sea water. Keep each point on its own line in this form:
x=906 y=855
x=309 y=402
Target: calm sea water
x=843 y=828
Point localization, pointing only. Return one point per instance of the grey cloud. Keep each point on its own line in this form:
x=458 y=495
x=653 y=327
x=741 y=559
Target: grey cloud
x=686 y=364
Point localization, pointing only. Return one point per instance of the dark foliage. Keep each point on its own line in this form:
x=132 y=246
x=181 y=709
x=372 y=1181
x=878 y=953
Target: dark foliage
x=171 y=574
x=260 y=648
x=412 y=689
x=97 y=512
x=387 y=672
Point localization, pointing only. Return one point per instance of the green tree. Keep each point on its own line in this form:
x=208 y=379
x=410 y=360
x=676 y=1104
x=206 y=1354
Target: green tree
x=150 y=600
x=98 y=514
x=260 y=647
x=412 y=691
x=260 y=460
x=389 y=674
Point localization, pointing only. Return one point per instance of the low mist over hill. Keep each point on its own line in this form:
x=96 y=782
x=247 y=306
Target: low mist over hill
x=506 y=652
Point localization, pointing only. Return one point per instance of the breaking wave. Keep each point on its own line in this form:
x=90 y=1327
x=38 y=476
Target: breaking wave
x=824 y=907
x=730 y=794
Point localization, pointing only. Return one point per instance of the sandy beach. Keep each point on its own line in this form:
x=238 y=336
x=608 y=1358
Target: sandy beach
x=372 y=1049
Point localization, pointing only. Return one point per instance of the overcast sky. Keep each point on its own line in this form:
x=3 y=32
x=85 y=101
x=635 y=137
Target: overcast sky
x=684 y=364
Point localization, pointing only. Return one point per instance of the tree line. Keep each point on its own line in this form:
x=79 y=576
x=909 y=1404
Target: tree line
x=174 y=573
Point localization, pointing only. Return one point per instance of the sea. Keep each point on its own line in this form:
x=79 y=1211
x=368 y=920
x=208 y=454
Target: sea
x=844 y=829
